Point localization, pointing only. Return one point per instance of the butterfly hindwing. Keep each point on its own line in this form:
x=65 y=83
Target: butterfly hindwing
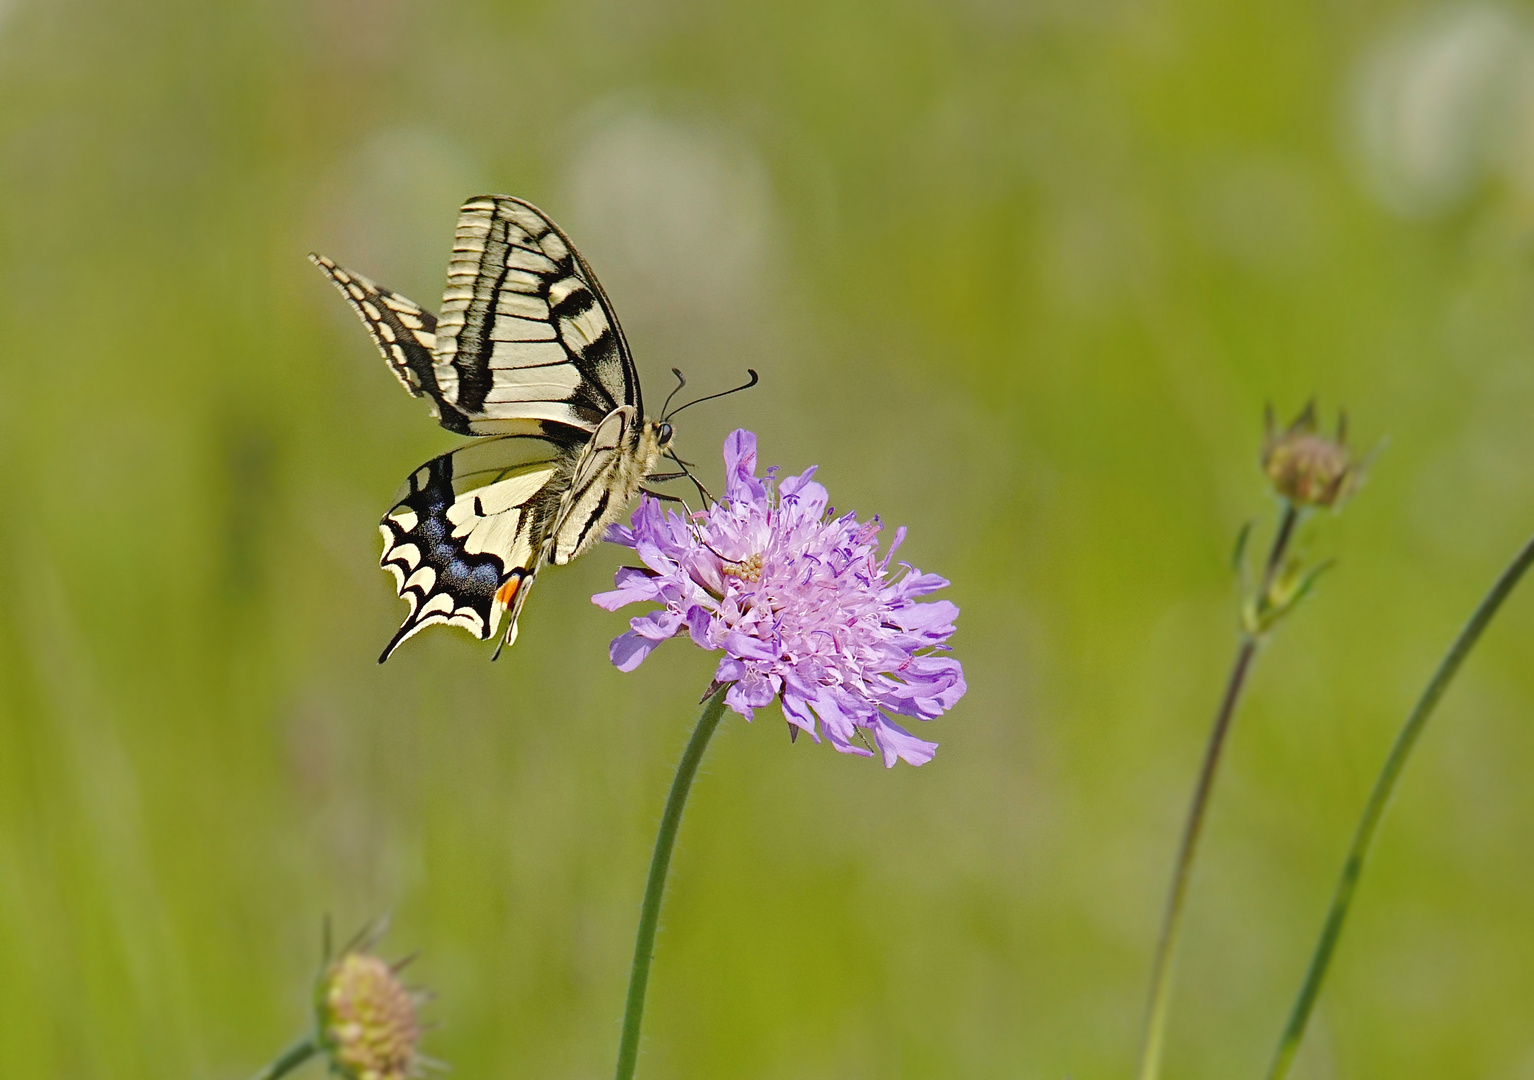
x=467 y=534
x=526 y=332
x=405 y=334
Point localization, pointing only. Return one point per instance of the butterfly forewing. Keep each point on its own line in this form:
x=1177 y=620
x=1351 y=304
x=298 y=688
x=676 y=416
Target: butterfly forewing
x=404 y=333
x=525 y=331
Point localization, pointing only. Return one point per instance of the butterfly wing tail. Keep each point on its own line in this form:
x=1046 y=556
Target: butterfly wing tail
x=434 y=572
x=429 y=605
x=408 y=628
x=512 y=595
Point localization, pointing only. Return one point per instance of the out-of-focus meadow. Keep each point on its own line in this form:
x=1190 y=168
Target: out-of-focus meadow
x=1020 y=276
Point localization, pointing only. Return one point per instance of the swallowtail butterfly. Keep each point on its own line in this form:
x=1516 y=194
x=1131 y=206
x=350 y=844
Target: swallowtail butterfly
x=528 y=355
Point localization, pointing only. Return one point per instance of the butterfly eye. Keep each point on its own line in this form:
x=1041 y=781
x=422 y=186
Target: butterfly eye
x=663 y=434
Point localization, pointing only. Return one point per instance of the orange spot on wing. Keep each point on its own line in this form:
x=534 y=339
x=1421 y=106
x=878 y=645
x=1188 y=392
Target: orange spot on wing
x=508 y=592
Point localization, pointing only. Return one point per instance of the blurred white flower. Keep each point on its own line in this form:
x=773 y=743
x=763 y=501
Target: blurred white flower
x=1444 y=102
x=675 y=216
x=388 y=208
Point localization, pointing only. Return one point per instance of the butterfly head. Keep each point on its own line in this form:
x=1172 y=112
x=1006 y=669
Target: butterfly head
x=653 y=440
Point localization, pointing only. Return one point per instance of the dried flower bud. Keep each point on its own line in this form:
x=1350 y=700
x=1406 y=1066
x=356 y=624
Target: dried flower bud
x=367 y=1020
x=1307 y=468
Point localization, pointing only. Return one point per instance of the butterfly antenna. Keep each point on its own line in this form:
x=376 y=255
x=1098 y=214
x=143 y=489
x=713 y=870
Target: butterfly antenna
x=681 y=381
x=703 y=492
x=723 y=393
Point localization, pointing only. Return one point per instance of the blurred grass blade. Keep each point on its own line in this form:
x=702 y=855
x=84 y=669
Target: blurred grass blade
x=288 y=1060
x=1379 y=798
x=1238 y=556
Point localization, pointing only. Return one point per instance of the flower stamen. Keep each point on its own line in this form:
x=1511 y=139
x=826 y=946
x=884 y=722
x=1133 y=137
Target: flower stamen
x=747 y=569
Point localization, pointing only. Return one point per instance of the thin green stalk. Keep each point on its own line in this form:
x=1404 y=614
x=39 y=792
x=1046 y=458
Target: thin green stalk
x=1280 y=547
x=1384 y=785
x=1165 y=964
x=1163 y=968
x=655 y=887
x=290 y=1059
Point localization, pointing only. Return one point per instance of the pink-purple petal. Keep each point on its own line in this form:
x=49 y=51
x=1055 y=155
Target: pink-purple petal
x=751 y=692
x=933 y=617
x=634 y=586
x=628 y=651
x=619 y=534
x=657 y=626
x=919 y=584
x=898 y=744
x=797 y=712
x=749 y=647
x=698 y=621
x=740 y=482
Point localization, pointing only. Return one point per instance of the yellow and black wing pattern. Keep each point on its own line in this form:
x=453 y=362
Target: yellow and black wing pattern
x=525 y=337
x=405 y=334
x=468 y=530
x=526 y=332
x=526 y=353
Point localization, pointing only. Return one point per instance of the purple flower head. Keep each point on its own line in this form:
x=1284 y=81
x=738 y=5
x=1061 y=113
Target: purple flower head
x=800 y=602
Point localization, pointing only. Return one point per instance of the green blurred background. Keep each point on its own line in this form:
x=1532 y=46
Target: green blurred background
x=1018 y=275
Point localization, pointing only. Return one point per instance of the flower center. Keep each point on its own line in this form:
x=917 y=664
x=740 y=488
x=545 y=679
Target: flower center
x=747 y=569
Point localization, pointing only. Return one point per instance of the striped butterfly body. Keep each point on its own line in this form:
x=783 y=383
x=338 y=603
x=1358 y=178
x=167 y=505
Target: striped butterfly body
x=528 y=355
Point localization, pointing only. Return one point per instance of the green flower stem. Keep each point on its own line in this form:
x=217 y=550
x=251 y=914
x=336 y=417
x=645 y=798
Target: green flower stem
x=1164 y=966
x=655 y=888
x=290 y=1059
x=1363 y=837
x=1166 y=948
x=1286 y=524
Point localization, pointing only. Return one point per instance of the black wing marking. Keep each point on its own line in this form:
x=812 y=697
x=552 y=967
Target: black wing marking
x=404 y=333
x=526 y=332
x=466 y=536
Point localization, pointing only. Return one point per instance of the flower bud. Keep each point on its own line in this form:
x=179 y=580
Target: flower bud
x=1307 y=468
x=367 y=1020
